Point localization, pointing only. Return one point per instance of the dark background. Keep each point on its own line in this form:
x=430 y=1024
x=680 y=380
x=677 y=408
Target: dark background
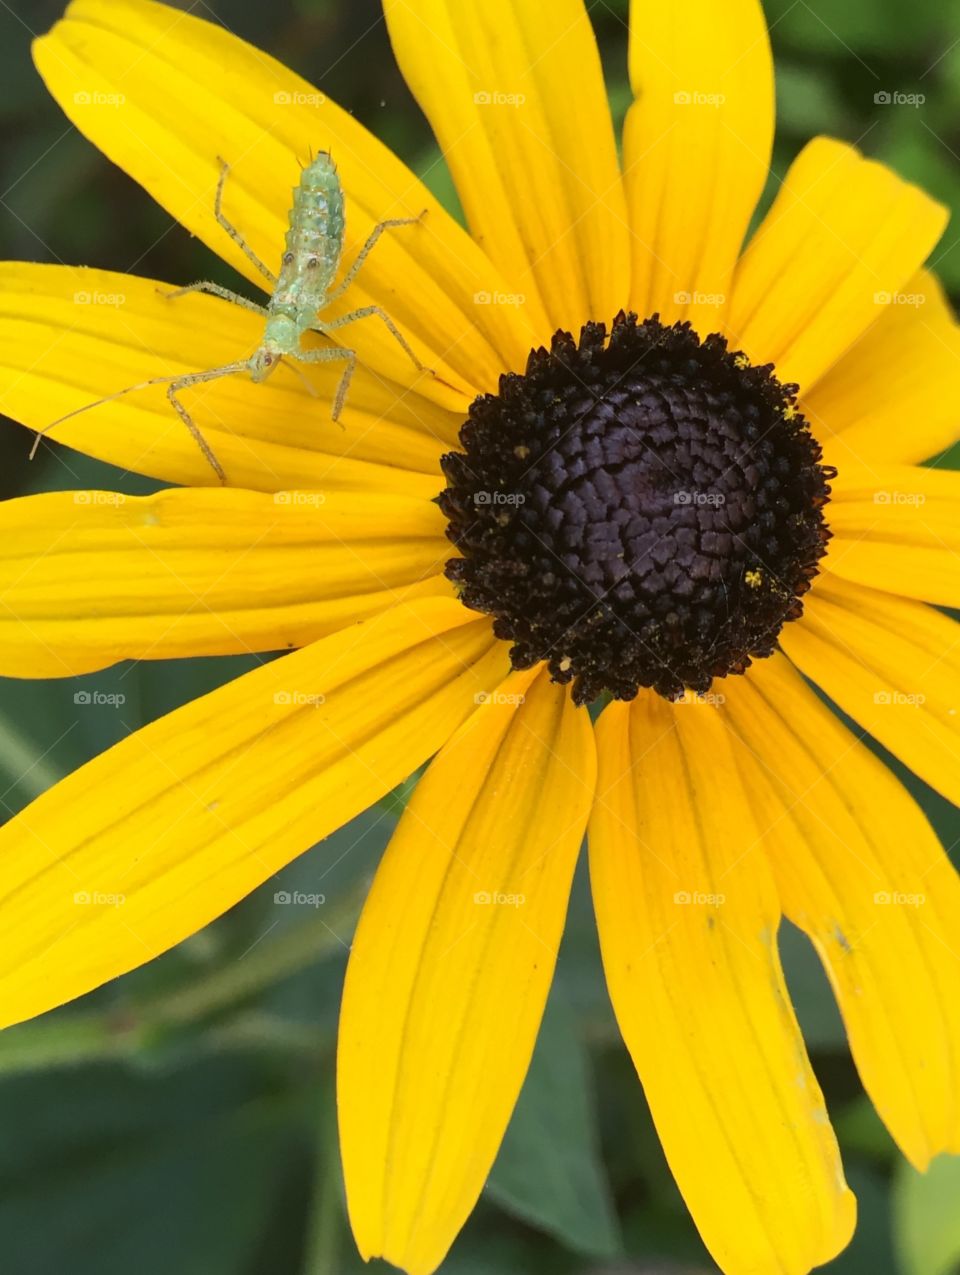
x=180 y=1120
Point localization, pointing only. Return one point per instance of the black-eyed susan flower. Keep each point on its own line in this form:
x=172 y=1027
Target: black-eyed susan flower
x=678 y=475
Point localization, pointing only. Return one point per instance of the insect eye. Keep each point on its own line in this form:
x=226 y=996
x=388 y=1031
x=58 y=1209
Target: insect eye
x=312 y=263
x=268 y=359
x=288 y=258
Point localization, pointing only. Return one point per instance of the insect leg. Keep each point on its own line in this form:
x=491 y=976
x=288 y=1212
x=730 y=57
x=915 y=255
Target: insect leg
x=204 y=285
x=329 y=325
x=327 y=355
x=232 y=231
x=197 y=378
x=364 y=252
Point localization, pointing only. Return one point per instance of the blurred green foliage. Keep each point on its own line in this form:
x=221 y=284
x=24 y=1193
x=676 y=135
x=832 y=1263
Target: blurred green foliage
x=180 y=1119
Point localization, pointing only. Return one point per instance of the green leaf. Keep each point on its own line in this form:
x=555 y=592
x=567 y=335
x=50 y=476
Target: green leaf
x=142 y=1172
x=432 y=169
x=862 y=1132
x=810 y=991
x=923 y=152
x=395 y=801
x=656 y=1233
x=855 y=29
x=926 y=1217
x=871 y=1247
x=549 y=1171
x=807 y=101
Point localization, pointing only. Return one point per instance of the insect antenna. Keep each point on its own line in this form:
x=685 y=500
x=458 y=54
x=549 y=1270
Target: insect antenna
x=310 y=387
x=185 y=378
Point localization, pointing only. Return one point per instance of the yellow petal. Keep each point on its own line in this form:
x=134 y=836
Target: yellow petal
x=860 y=870
x=897 y=528
x=893 y=396
x=164 y=94
x=844 y=235
x=89 y=578
x=515 y=95
x=688 y=919
x=696 y=145
x=160 y=834
x=70 y=335
x=893 y=665
x=451 y=964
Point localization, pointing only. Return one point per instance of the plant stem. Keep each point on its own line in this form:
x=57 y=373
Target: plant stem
x=114 y=1034
x=29 y=769
x=323 y=1227
x=273 y=958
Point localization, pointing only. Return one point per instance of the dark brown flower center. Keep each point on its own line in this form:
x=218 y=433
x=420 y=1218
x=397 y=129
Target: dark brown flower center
x=640 y=511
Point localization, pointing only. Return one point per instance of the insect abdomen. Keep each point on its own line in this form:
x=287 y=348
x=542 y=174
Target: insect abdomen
x=314 y=242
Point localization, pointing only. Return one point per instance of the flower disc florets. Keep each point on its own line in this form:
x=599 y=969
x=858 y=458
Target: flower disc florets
x=640 y=511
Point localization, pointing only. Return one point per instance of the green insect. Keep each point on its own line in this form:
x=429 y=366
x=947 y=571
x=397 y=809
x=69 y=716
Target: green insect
x=314 y=246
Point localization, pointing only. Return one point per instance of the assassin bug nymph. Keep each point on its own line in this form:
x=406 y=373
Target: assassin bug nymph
x=314 y=246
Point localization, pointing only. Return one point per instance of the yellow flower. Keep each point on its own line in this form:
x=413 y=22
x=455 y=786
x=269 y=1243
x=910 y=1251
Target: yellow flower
x=709 y=817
